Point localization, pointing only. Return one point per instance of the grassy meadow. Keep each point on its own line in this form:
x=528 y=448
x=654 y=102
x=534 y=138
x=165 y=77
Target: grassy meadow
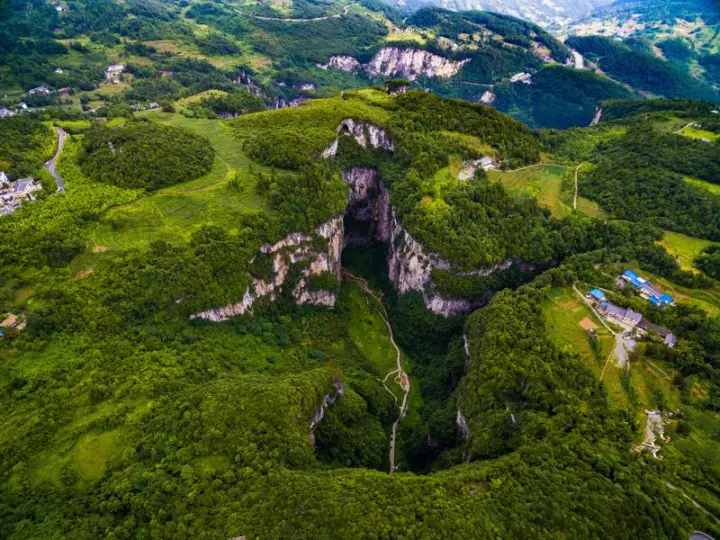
x=551 y=185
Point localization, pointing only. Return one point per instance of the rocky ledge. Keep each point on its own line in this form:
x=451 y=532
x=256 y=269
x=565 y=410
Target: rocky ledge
x=367 y=135
x=291 y=250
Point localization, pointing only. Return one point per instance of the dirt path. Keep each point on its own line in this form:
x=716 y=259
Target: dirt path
x=679 y=131
x=401 y=377
x=577 y=171
x=282 y=19
x=51 y=165
x=619 y=350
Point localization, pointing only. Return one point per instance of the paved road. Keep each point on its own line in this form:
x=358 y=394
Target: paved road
x=620 y=351
x=51 y=165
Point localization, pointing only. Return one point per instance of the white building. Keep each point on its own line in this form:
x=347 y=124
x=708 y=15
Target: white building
x=59 y=71
x=6 y=113
x=114 y=71
x=40 y=91
x=4 y=180
x=488 y=98
x=522 y=77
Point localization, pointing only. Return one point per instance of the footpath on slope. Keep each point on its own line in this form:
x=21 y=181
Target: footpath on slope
x=401 y=377
x=51 y=165
x=281 y=19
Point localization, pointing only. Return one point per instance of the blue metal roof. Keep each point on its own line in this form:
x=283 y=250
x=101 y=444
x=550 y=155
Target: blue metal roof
x=666 y=299
x=633 y=278
x=597 y=293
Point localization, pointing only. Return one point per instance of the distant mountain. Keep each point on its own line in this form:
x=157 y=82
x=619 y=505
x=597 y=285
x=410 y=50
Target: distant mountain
x=549 y=13
x=683 y=32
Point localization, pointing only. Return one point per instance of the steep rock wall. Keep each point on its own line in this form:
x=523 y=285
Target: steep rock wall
x=412 y=63
x=367 y=135
x=289 y=251
x=410 y=264
x=344 y=63
x=392 y=61
x=328 y=400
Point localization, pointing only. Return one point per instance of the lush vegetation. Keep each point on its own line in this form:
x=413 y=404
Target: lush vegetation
x=641 y=70
x=144 y=155
x=558 y=97
x=24 y=146
x=125 y=417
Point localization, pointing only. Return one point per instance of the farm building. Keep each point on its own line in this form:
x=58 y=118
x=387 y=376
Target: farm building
x=645 y=327
x=647 y=290
x=624 y=315
x=40 y=91
x=597 y=294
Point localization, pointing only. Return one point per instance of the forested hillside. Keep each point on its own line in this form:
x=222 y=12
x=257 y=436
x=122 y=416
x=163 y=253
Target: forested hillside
x=127 y=415
x=642 y=70
x=265 y=56
x=287 y=277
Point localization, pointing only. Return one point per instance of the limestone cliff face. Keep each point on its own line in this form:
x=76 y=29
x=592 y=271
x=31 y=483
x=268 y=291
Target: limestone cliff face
x=291 y=250
x=462 y=425
x=328 y=400
x=367 y=135
x=412 y=63
x=344 y=63
x=392 y=61
x=410 y=264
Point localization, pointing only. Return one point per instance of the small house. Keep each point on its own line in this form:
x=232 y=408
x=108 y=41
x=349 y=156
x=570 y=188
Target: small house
x=6 y=113
x=487 y=163
x=522 y=77
x=598 y=295
x=488 y=98
x=4 y=180
x=40 y=91
x=114 y=71
x=646 y=326
x=59 y=71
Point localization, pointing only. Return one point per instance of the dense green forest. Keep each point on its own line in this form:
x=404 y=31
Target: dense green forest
x=641 y=70
x=127 y=415
x=559 y=97
x=144 y=155
x=24 y=146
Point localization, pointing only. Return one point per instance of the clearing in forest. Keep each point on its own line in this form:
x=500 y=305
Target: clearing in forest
x=544 y=182
x=565 y=317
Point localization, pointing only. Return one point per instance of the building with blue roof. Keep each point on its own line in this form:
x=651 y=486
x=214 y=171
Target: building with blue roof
x=598 y=295
x=647 y=290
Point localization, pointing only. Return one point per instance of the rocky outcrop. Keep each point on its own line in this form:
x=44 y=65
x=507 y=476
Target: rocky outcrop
x=394 y=61
x=291 y=250
x=462 y=425
x=344 y=63
x=328 y=400
x=282 y=103
x=412 y=63
x=367 y=135
x=410 y=264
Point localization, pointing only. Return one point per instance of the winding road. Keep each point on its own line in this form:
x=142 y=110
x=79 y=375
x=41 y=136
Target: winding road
x=401 y=377
x=51 y=165
x=281 y=19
